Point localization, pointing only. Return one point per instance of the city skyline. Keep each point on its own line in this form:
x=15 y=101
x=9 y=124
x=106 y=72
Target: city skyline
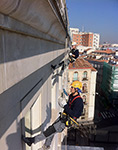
x=98 y=16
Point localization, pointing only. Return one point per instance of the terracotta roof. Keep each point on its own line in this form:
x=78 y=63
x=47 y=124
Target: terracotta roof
x=83 y=56
x=81 y=63
x=80 y=52
x=88 y=49
x=98 y=60
x=107 y=51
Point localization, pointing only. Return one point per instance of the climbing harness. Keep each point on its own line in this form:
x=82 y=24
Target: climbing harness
x=70 y=102
x=69 y=120
x=71 y=59
x=72 y=123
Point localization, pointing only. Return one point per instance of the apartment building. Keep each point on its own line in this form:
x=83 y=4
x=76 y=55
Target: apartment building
x=98 y=65
x=83 y=71
x=110 y=83
x=85 y=39
x=97 y=58
x=33 y=35
x=73 y=31
x=96 y=40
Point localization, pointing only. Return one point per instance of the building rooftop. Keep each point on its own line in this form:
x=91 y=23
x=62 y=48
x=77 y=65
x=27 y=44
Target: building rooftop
x=81 y=63
x=92 y=59
x=107 y=51
x=88 y=49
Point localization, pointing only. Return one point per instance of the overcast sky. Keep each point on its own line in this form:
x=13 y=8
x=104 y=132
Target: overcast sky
x=97 y=16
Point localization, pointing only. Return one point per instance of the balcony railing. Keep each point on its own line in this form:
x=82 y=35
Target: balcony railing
x=85 y=79
x=84 y=91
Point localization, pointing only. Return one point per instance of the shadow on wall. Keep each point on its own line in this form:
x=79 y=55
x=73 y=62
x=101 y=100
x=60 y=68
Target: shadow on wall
x=43 y=125
x=14 y=141
x=10 y=99
x=55 y=77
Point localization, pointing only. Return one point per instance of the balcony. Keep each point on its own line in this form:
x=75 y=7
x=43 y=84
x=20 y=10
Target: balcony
x=84 y=91
x=85 y=79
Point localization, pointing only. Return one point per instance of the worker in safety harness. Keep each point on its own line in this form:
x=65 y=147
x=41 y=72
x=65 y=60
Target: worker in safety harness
x=73 y=55
x=73 y=109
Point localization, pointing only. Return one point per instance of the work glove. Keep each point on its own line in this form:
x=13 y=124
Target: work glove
x=70 y=54
x=65 y=95
x=65 y=92
x=62 y=102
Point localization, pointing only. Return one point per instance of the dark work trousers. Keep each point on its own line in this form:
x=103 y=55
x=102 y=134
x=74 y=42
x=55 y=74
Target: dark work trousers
x=48 y=134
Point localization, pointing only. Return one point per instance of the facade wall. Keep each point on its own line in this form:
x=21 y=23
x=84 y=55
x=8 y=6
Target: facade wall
x=110 y=83
x=29 y=44
x=99 y=67
x=84 y=39
x=91 y=108
x=96 y=40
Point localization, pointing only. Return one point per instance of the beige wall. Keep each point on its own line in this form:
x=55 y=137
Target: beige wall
x=90 y=94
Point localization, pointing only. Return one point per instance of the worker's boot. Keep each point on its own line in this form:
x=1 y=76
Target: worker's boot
x=28 y=141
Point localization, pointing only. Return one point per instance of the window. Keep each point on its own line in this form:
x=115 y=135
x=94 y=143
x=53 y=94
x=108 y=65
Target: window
x=84 y=88
x=84 y=99
x=85 y=75
x=73 y=65
x=33 y=120
x=75 y=76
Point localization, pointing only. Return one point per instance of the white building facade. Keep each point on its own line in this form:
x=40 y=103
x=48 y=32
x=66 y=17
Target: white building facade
x=32 y=38
x=96 y=40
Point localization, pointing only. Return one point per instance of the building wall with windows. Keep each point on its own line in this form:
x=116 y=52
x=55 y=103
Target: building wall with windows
x=98 y=65
x=85 y=39
x=110 y=83
x=96 y=40
x=31 y=39
x=82 y=71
